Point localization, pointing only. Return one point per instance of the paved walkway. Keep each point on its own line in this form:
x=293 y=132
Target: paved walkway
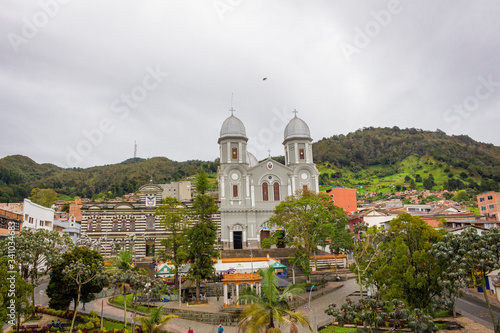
x=178 y=325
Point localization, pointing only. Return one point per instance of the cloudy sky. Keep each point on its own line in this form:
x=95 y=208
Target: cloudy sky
x=80 y=81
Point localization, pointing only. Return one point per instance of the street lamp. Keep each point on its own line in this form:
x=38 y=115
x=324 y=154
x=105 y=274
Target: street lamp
x=293 y=267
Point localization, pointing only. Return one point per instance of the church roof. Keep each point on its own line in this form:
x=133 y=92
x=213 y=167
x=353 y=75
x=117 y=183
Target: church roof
x=297 y=129
x=232 y=127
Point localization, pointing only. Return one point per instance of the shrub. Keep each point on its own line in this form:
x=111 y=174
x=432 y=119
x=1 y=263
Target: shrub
x=89 y=325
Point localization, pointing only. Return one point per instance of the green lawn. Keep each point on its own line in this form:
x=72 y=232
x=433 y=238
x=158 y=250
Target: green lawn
x=119 y=301
x=331 y=329
x=109 y=325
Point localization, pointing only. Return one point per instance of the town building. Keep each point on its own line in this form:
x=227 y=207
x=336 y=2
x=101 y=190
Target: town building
x=178 y=190
x=249 y=191
x=37 y=216
x=344 y=198
x=131 y=225
x=9 y=221
x=489 y=203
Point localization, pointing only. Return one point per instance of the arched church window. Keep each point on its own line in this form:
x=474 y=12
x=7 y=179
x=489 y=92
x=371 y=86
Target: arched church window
x=150 y=222
x=276 y=188
x=235 y=191
x=304 y=188
x=265 y=192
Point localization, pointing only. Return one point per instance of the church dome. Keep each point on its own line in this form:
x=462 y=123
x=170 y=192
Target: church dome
x=297 y=129
x=233 y=127
x=252 y=160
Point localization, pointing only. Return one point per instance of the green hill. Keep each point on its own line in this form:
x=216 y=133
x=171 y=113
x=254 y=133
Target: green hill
x=371 y=159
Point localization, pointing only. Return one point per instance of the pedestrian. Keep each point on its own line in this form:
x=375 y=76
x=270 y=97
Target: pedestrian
x=221 y=329
x=83 y=304
x=190 y=330
x=52 y=324
x=217 y=293
x=59 y=323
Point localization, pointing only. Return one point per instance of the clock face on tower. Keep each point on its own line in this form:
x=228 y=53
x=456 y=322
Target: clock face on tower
x=150 y=200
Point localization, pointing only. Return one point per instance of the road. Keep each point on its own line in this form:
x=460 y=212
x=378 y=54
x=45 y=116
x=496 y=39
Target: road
x=476 y=311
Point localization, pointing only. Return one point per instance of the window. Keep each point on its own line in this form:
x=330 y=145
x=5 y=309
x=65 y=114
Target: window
x=265 y=192
x=490 y=197
x=304 y=188
x=41 y=223
x=301 y=153
x=483 y=207
x=491 y=206
x=90 y=226
x=132 y=224
x=481 y=199
x=98 y=226
x=276 y=187
x=235 y=153
x=235 y=191
x=123 y=226
x=150 y=222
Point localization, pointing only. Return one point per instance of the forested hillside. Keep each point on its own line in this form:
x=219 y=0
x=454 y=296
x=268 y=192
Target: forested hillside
x=391 y=156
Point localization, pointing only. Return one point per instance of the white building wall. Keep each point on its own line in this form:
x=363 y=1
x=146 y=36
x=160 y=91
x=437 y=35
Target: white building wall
x=37 y=217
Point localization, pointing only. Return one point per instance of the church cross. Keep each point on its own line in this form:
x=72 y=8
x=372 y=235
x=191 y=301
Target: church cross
x=232 y=110
x=295 y=111
x=269 y=152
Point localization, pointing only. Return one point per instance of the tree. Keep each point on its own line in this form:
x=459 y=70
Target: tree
x=14 y=293
x=429 y=182
x=202 y=235
x=36 y=252
x=155 y=321
x=44 y=197
x=409 y=271
x=270 y=309
x=82 y=274
x=308 y=220
x=418 y=178
x=172 y=218
x=62 y=289
x=460 y=196
x=374 y=313
x=366 y=252
x=476 y=255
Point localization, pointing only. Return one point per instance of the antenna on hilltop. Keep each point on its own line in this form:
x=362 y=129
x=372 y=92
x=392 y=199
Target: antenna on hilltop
x=135 y=149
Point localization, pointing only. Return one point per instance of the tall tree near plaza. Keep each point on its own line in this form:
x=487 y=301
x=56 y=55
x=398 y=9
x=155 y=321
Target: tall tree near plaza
x=36 y=252
x=62 y=289
x=366 y=252
x=14 y=293
x=270 y=309
x=173 y=218
x=409 y=271
x=475 y=255
x=202 y=236
x=308 y=220
x=82 y=274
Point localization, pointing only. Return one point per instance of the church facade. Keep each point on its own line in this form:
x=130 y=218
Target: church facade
x=249 y=191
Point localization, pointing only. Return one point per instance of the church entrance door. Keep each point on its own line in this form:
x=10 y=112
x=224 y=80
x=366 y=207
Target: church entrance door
x=238 y=240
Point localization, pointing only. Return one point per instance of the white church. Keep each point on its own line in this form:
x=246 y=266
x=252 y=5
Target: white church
x=249 y=190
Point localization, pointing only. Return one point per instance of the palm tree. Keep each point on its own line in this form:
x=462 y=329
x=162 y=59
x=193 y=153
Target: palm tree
x=155 y=321
x=270 y=309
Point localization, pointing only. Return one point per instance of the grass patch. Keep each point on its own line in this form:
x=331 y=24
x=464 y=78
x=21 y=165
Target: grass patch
x=443 y=313
x=119 y=301
x=331 y=329
x=109 y=325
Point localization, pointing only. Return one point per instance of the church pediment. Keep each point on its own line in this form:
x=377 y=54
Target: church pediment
x=271 y=165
